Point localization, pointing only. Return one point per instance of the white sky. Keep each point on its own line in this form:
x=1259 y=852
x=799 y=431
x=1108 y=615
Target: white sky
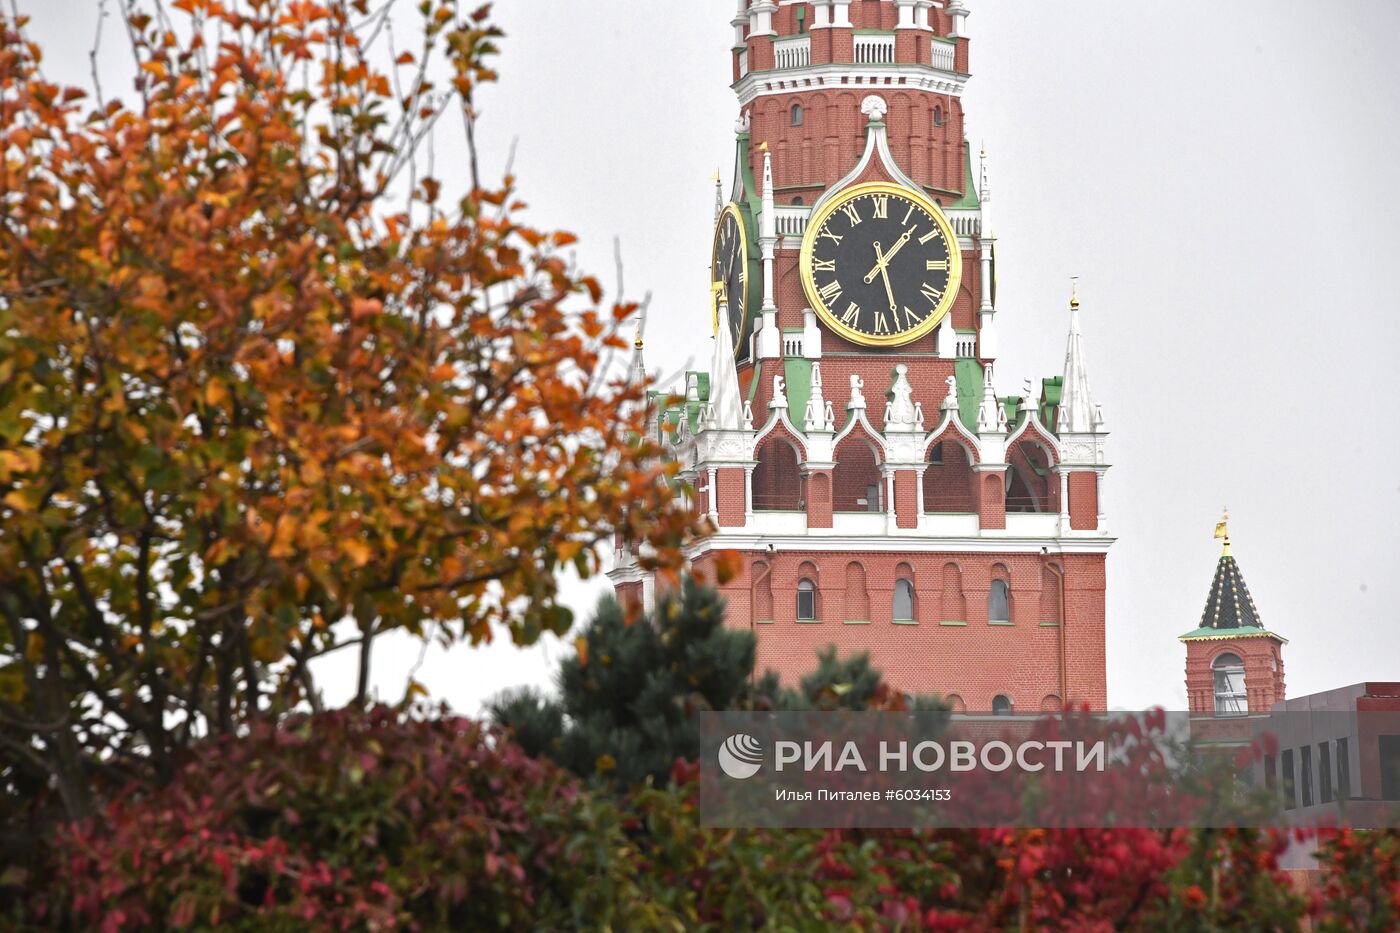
x=1222 y=179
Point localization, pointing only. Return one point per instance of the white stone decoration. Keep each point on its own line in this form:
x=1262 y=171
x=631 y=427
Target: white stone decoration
x=814 y=419
x=991 y=417
x=947 y=339
x=950 y=401
x=830 y=416
x=919 y=417
x=779 y=397
x=857 y=399
x=899 y=411
x=874 y=107
x=748 y=415
x=742 y=124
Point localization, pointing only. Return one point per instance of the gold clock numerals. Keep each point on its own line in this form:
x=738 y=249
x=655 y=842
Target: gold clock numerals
x=880 y=264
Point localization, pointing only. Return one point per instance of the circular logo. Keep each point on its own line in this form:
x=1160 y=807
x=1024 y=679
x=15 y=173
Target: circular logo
x=741 y=756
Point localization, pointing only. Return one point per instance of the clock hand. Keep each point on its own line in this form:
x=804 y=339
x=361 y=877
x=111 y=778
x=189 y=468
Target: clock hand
x=882 y=261
x=884 y=273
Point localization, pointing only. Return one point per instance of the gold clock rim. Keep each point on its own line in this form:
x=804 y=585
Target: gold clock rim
x=730 y=209
x=809 y=287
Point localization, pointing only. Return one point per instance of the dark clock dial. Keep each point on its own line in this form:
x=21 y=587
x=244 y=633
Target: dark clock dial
x=729 y=264
x=880 y=264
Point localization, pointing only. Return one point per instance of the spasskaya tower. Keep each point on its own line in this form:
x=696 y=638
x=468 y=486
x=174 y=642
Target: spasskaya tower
x=848 y=440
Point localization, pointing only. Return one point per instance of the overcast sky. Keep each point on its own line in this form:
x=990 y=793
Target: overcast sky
x=1221 y=177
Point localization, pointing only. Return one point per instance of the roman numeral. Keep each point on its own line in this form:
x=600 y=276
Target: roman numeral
x=910 y=318
x=936 y=265
x=831 y=236
x=931 y=293
x=852 y=313
x=881 y=325
x=823 y=265
x=907 y=214
x=850 y=211
x=882 y=206
x=830 y=292
x=929 y=236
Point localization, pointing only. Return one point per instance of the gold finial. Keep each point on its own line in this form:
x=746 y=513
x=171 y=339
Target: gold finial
x=637 y=340
x=1222 y=530
x=715 y=178
x=984 y=149
x=1074 y=291
x=763 y=146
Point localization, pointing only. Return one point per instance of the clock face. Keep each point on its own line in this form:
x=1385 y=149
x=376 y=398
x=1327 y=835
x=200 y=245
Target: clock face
x=729 y=267
x=880 y=264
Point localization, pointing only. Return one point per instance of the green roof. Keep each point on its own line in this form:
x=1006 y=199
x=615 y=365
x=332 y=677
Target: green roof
x=969 y=200
x=968 y=373
x=797 y=375
x=1250 y=631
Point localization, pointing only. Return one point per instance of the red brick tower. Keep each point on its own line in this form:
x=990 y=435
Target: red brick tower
x=848 y=439
x=1234 y=666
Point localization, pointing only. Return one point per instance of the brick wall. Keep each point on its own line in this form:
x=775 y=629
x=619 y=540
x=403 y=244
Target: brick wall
x=975 y=659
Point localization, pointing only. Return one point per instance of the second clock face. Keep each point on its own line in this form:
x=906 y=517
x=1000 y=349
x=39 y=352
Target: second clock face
x=880 y=264
x=729 y=263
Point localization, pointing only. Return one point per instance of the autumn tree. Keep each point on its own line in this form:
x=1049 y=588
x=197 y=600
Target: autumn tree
x=267 y=392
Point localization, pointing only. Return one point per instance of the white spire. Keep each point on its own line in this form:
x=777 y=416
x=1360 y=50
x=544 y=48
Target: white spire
x=637 y=374
x=816 y=418
x=768 y=228
x=991 y=416
x=1077 y=414
x=725 y=400
x=719 y=197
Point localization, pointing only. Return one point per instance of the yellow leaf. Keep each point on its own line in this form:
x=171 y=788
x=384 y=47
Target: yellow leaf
x=605 y=763
x=581 y=646
x=357 y=551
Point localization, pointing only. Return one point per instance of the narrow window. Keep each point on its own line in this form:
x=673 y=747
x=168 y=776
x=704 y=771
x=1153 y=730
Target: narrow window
x=935 y=456
x=1001 y=705
x=1290 y=799
x=796 y=114
x=998 y=602
x=904 y=600
x=937 y=116
x=1230 y=696
x=1324 y=772
x=1390 y=766
x=1305 y=769
x=806 y=600
x=1343 y=769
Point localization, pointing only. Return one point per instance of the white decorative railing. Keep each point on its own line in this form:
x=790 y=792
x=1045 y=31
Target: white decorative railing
x=792 y=344
x=792 y=53
x=966 y=223
x=743 y=62
x=943 y=55
x=874 y=50
x=792 y=221
x=965 y=346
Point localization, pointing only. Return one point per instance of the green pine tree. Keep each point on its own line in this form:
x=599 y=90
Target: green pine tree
x=627 y=702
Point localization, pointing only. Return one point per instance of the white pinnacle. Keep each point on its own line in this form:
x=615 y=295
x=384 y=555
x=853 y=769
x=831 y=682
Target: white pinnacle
x=1077 y=414
x=724 y=378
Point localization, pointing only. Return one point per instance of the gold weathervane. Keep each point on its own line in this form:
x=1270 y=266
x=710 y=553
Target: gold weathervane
x=1222 y=530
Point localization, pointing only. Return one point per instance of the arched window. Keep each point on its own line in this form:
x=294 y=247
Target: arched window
x=796 y=114
x=1001 y=705
x=856 y=480
x=999 y=602
x=1230 y=696
x=935 y=455
x=806 y=600
x=857 y=600
x=903 y=600
x=955 y=703
x=797 y=201
x=776 y=481
x=937 y=116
